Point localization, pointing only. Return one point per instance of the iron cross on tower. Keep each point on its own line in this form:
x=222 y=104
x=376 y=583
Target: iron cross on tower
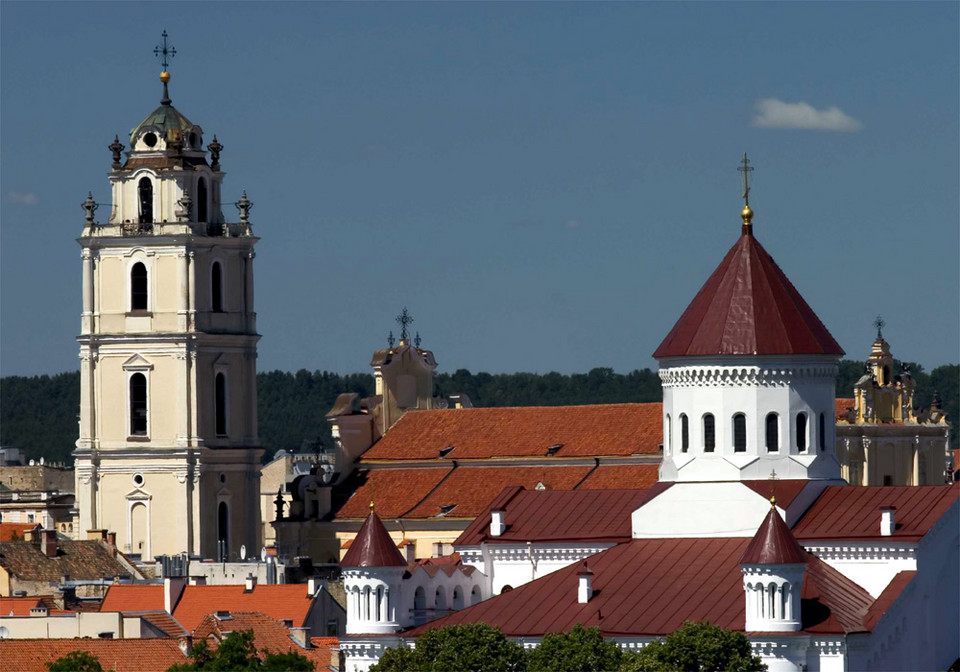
x=879 y=324
x=163 y=52
x=404 y=319
x=745 y=168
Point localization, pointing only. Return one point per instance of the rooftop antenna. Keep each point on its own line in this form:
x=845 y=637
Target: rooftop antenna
x=164 y=53
x=404 y=319
x=746 y=213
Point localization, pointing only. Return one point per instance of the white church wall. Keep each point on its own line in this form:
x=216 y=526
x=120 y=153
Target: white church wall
x=872 y=565
x=516 y=564
x=701 y=510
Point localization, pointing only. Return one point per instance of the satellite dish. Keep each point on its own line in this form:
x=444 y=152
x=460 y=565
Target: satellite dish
x=263 y=554
x=243 y=552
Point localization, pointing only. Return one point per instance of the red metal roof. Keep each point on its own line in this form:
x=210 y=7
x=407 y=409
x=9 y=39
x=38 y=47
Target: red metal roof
x=278 y=601
x=373 y=547
x=557 y=515
x=888 y=596
x=773 y=544
x=748 y=307
x=784 y=490
x=118 y=655
x=480 y=433
x=122 y=597
x=849 y=512
x=652 y=586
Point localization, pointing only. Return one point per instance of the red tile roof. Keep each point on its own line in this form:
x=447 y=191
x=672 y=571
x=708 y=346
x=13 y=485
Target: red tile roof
x=652 y=586
x=394 y=491
x=841 y=406
x=7 y=530
x=849 y=512
x=269 y=636
x=21 y=606
x=373 y=547
x=773 y=544
x=123 y=597
x=748 y=307
x=480 y=433
x=279 y=601
x=82 y=560
x=162 y=621
x=785 y=491
x=119 y=655
x=621 y=476
x=557 y=515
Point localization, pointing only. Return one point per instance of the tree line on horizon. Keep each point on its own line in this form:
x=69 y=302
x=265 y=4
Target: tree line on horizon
x=39 y=414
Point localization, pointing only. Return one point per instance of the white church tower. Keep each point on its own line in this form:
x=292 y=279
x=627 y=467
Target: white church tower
x=168 y=453
x=373 y=571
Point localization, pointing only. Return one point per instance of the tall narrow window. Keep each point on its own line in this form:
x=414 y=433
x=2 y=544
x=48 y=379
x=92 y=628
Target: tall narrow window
x=773 y=433
x=669 y=446
x=216 y=287
x=201 y=200
x=709 y=433
x=223 y=531
x=802 y=432
x=739 y=433
x=684 y=433
x=138 y=405
x=822 y=433
x=220 y=401
x=138 y=287
x=145 y=191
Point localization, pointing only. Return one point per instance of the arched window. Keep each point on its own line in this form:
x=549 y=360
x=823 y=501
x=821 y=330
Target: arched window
x=709 y=433
x=138 y=405
x=216 y=288
x=886 y=376
x=475 y=596
x=138 y=287
x=145 y=191
x=822 y=433
x=802 y=432
x=684 y=433
x=223 y=530
x=457 y=601
x=441 y=599
x=773 y=433
x=419 y=599
x=220 y=403
x=201 y=200
x=668 y=446
x=739 y=433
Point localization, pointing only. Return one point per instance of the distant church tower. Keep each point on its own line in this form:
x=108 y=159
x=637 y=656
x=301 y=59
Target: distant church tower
x=168 y=454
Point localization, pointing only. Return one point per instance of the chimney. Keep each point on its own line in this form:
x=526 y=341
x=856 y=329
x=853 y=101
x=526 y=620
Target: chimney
x=410 y=551
x=301 y=636
x=50 y=543
x=249 y=583
x=313 y=585
x=39 y=610
x=96 y=535
x=172 y=590
x=585 y=586
x=112 y=539
x=887 y=520
x=497 y=526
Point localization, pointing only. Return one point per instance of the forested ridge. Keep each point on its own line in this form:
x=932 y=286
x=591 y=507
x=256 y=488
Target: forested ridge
x=39 y=414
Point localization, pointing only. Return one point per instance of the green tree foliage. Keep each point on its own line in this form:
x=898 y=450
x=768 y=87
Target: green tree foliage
x=76 y=661
x=473 y=647
x=39 y=415
x=238 y=652
x=695 y=647
x=580 y=650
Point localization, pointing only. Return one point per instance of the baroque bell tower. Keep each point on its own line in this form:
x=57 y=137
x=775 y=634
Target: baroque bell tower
x=168 y=453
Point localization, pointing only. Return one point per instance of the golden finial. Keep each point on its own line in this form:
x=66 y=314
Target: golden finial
x=372 y=507
x=165 y=77
x=773 y=501
x=747 y=212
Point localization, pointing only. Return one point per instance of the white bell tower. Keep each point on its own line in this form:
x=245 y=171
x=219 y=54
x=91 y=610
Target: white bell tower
x=168 y=453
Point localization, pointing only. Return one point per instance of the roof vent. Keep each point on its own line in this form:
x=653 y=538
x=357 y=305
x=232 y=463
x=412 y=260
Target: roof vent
x=540 y=486
x=585 y=583
x=552 y=450
x=497 y=524
x=446 y=451
x=888 y=521
x=224 y=616
x=446 y=508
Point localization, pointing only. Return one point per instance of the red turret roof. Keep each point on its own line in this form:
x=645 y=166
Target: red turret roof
x=773 y=544
x=373 y=547
x=748 y=307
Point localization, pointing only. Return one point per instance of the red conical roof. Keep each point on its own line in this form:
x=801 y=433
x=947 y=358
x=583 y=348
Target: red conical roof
x=748 y=307
x=373 y=547
x=773 y=544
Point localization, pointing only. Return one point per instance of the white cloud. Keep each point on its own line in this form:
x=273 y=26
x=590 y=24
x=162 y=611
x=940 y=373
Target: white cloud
x=773 y=113
x=22 y=197
x=572 y=224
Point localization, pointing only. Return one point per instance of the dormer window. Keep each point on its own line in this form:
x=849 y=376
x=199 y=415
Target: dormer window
x=150 y=139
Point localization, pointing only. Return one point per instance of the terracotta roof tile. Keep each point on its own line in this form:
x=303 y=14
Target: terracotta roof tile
x=748 y=307
x=651 y=586
x=557 y=515
x=82 y=560
x=21 y=606
x=373 y=547
x=278 y=601
x=7 y=530
x=394 y=491
x=841 y=406
x=773 y=544
x=119 y=655
x=621 y=477
x=523 y=431
x=162 y=621
x=132 y=597
x=269 y=635
x=853 y=512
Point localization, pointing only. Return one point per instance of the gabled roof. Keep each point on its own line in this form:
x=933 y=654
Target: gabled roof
x=269 y=635
x=161 y=620
x=7 y=530
x=21 y=606
x=853 y=513
x=82 y=560
x=523 y=431
x=278 y=601
x=133 y=597
x=773 y=544
x=650 y=587
x=373 y=547
x=748 y=307
x=118 y=655
x=557 y=515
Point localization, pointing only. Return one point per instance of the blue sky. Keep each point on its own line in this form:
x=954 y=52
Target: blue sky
x=545 y=186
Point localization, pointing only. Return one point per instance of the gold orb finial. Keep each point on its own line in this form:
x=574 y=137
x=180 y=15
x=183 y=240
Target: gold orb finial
x=773 y=501
x=372 y=507
x=747 y=214
x=164 y=76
